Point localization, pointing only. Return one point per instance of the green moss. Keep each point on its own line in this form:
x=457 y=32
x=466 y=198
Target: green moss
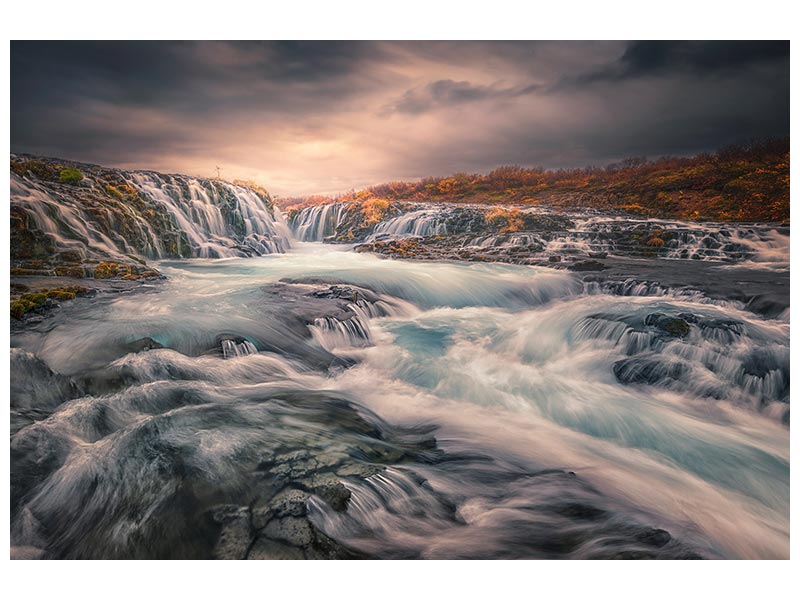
x=60 y=294
x=20 y=306
x=676 y=326
x=70 y=176
x=28 y=302
x=37 y=298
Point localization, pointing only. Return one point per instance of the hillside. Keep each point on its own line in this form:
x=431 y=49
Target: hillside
x=746 y=182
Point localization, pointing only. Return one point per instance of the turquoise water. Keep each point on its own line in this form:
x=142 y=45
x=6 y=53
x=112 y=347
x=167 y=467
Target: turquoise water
x=512 y=362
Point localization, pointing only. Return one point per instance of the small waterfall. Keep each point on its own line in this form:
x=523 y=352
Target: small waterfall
x=419 y=223
x=232 y=348
x=316 y=223
x=332 y=333
x=354 y=332
x=723 y=359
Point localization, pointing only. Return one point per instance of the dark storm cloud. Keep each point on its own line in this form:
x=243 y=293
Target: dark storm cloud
x=661 y=57
x=307 y=117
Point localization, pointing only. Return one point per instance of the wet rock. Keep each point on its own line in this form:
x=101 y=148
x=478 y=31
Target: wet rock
x=35 y=385
x=575 y=510
x=672 y=326
x=267 y=549
x=328 y=487
x=648 y=369
x=359 y=469
x=657 y=538
x=235 y=535
x=144 y=344
x=587 y=265
x=293 y=530
x=289 y=503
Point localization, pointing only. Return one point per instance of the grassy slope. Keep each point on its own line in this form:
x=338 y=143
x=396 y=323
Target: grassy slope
x=747 y=182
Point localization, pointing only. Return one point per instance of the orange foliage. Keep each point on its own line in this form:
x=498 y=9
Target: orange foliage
x=746 y=182
x=374 y=210
x=507 y=219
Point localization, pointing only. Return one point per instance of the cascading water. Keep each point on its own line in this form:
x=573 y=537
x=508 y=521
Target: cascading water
x=582 y=234
x=653 y=423
x=316 y=223
x=219 y=218
x=316 y=402
x=421 y=223
x=157 y=216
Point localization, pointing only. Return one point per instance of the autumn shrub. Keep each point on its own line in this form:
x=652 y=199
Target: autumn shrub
x=504 y=219
x=374 y=210
x=744 y=182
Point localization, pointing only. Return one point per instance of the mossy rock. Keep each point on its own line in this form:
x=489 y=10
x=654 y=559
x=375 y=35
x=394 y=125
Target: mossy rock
x=71 y=271
x=60 y=294
x=20 y=306
x=673 y=326
x=106 y=270
x=70 y=176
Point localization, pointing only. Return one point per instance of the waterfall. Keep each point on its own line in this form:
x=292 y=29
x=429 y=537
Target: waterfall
x=315 y=223
x=116 y=213
x=220 y=219
x=232 y=348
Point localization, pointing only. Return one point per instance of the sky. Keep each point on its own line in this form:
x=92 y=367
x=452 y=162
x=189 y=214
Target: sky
x=326 y=117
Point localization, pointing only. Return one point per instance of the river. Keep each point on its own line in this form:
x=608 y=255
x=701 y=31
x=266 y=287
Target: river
x=471 y=410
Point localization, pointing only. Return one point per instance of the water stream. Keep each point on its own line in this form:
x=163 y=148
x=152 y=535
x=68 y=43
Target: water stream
x=566 y=423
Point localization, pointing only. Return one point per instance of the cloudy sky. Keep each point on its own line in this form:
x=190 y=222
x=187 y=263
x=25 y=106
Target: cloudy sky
x=324 y=117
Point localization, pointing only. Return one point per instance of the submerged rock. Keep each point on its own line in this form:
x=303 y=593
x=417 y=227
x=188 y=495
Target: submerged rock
x=35 y=385
x=673 y=326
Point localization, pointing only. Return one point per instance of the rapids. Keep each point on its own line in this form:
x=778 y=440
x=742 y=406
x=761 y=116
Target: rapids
x=470 y=410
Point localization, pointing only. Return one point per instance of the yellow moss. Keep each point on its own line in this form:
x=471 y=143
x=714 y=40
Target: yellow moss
x=106 y=270
x=656 y=242
x=18 y=271
x=60 y=294
x=70 y=271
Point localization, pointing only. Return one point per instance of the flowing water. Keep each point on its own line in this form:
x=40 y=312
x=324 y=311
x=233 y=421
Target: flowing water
x=472 y=410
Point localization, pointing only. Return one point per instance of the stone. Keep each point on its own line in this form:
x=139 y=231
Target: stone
x=294 y=530
x=267 y=549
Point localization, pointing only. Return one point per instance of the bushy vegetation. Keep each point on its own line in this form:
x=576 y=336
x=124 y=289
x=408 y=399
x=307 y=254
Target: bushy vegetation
x=71 y=176
x=374 y=210
x=745 y=182
x=505 y=219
